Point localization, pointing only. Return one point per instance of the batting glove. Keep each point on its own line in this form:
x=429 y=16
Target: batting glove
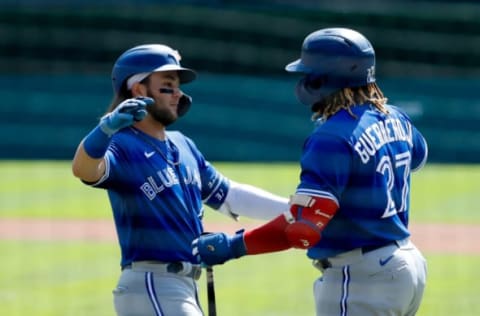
x=97 y=141
x=126 y=113
x=217 y=248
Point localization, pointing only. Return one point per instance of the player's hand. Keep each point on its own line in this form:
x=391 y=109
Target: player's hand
x=126 y=113
x=217 y=248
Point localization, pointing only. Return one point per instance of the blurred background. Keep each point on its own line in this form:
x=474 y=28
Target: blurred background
x=56 y=58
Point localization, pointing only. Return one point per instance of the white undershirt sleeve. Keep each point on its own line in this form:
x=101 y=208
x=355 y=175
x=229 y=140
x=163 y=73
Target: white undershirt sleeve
x=249 y=201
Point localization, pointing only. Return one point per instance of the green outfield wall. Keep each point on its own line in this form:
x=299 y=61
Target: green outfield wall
x=55 y=62
x=233 y=117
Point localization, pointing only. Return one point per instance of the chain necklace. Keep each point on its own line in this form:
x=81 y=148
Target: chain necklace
x=172 y=147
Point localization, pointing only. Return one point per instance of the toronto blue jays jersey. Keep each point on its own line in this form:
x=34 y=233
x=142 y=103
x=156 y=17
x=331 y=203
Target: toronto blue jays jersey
x=363 y=163
x=157 y=190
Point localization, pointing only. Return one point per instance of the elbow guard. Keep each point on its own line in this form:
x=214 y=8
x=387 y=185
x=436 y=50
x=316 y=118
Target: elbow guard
x=307 y=218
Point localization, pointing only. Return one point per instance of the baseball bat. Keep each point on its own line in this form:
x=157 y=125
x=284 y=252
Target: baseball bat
x=212 y=308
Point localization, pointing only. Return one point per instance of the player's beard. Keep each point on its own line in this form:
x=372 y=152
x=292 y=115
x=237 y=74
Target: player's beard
x=163 y=115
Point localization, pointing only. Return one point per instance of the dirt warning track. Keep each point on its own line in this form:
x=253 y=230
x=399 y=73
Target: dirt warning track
x=430 y=238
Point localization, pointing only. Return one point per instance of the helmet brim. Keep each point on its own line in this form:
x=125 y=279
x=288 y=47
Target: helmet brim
x=185 y=75
x=297 y=66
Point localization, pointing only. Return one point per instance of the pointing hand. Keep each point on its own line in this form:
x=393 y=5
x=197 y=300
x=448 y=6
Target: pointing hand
x=126 y=113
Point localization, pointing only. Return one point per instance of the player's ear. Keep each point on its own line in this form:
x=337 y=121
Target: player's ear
x=138 y=90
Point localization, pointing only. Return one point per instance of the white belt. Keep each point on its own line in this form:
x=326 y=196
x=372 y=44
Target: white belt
x=180 y=267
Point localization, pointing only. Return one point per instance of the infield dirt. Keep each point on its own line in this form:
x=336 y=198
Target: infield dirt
x=430 y=238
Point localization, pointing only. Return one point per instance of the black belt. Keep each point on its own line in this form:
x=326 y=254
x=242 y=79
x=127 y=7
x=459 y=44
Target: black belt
x=325 y=263
x=181 y=268
x=368 y=249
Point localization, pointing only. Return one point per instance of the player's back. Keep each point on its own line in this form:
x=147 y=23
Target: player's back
x=374 y=158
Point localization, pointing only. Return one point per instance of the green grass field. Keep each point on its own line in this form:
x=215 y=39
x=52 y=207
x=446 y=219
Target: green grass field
x=76 y=278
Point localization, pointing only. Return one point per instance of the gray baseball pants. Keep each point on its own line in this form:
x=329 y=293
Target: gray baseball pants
x=388 y=281
x=147 y=289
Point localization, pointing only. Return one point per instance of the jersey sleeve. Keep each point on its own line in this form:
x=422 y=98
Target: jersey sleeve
x=419 y=150
x=214 y=186
x=114 y=168
x=418 y=143
x=325 y=166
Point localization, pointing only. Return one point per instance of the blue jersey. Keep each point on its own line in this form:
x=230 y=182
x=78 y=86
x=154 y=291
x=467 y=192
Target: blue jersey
x=157 y=190
x=364 y=164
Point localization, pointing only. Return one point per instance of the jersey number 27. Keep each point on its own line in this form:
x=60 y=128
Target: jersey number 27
x=396 y=175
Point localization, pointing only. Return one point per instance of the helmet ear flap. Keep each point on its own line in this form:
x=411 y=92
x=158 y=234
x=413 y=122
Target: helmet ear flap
x=184 y=104
x=306 y=94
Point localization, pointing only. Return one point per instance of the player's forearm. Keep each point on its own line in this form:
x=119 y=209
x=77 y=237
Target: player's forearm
x=300 y=227
x=246 y=200
x=88 y=163
x=267 y=238
x=217 y=248
x=87 y=168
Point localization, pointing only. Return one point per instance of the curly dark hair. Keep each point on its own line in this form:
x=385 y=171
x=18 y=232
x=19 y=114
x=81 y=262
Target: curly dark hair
x=348 y=97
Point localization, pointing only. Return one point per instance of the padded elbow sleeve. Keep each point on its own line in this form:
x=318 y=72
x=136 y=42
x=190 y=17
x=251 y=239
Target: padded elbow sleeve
x=307 y=218
x=303 y=234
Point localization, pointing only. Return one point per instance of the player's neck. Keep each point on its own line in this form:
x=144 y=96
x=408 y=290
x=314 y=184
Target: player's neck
x=154 y=129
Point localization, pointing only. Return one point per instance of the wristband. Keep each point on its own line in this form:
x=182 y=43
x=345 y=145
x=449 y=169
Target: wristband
x=237 y=245
x=96 y=143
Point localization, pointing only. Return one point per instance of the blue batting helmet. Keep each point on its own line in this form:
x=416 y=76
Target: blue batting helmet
x=147 y=59
x=333 y=59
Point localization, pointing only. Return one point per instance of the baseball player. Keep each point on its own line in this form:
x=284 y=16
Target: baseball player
x=157 y=182
x=351 y=208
